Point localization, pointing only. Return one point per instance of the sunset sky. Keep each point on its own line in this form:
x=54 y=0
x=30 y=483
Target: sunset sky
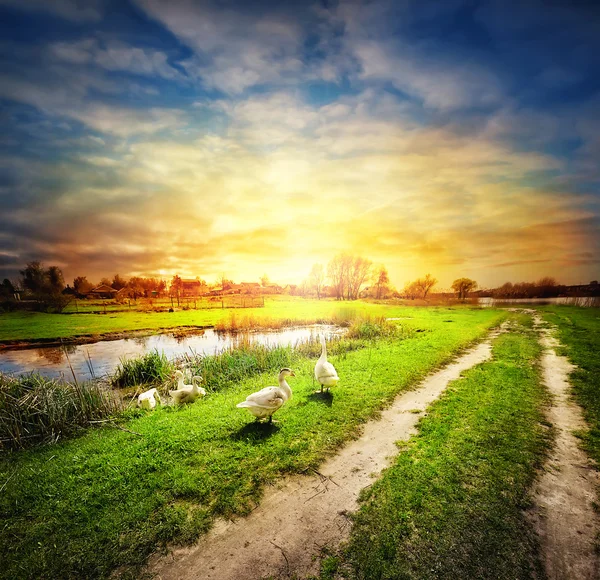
x=144 y=137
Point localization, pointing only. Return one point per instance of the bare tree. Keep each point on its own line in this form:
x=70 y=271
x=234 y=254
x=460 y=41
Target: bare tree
x=336 y=271
x=424 y=285
x=411 y=290
x=316 y=279
x=347 y=274
x=462 y=287
x=358 y=273
x=381 y=280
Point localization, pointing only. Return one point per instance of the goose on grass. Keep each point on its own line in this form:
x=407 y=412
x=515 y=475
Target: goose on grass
x=265 y=402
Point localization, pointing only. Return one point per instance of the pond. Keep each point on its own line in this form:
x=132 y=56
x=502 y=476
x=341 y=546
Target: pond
x=101 y=358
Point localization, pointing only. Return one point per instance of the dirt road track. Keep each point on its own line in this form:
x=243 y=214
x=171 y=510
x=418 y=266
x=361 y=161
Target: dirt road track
x=564 y=516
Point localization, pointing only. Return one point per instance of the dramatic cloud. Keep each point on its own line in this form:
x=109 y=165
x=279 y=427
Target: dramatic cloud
x=200 y=138
x=75 y=10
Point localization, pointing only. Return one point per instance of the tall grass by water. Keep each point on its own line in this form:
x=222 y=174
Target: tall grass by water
x=342 y=316
x=153 y=368
x=35 y=409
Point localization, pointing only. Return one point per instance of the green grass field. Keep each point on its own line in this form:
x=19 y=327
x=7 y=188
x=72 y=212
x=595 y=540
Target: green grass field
x=28 y=326
x=452 y=505
x=104 y=501
x=16 y=326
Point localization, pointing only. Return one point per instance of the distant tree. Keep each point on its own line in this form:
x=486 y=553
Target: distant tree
x=33 y=277
x=105 y=281
x=381 y=280
x=135 y=287
x=40 y=281
x=225 y=282
x=420 y=287
x=56 y=281
x=504 y=291
x=316 y=279
x=547 y=287
x=176 y=287
x=7 y=290
x=347 y=274
x=411 y=290
x=118 y=283
x=264 y=280
x=304 y=288
x=424 y=285
x=462 y=287
x=359 y=271
x=45 y=286
x=336 y=269
x=81 y=285
x=524 y=290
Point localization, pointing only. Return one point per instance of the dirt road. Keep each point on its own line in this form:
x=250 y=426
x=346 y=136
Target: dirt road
x=564 y=516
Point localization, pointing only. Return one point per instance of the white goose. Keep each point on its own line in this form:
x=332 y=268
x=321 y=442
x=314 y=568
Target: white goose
x=186 y=393
x=265 y=402
x=325 y=372
x=149 y=399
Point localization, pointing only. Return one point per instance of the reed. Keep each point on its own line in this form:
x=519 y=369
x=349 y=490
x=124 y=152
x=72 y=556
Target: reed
x=244 y=358
x=35 y=409
x=343 y=316
x=371 y=327
x=151 y=369
x=236 y=323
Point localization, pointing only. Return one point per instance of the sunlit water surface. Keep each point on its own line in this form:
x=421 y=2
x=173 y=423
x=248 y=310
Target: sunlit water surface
x=101 y=358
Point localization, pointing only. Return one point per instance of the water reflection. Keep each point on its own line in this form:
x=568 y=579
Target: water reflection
x=53 y=354
x=101 y=358
x=586 y=301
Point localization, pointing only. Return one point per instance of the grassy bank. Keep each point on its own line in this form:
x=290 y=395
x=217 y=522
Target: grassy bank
x=579 y=333
x=20 y=326
x=452 y=504
x=106 y=500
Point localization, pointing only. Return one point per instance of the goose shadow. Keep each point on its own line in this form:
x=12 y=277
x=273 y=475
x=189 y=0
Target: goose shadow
x=325 y=398
x=255 y=432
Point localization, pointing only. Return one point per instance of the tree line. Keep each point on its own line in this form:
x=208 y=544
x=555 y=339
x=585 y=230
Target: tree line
x=345 y=277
